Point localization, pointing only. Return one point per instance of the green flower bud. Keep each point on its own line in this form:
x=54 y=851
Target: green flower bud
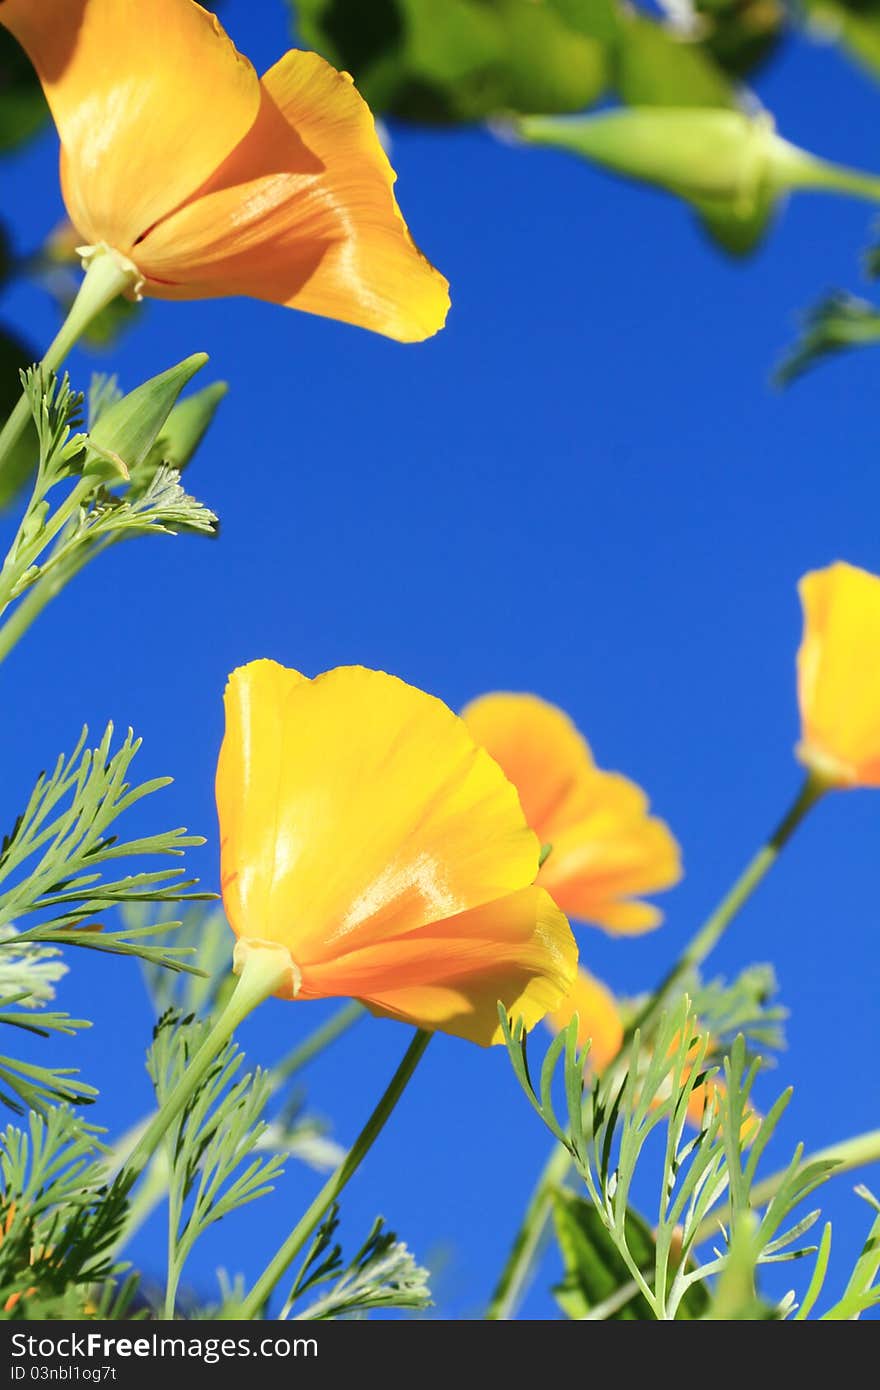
x=731 y=167
x=187 y=424
x=125 y=433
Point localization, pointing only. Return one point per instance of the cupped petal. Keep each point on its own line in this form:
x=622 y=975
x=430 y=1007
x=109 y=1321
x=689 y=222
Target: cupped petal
x=354 y=808
x=599 y=1019
x=148 y=99
x=248 y=784
x=303 y=213
x=600 y=864
x=541 y=751
x=838 y=668
x=451 y=975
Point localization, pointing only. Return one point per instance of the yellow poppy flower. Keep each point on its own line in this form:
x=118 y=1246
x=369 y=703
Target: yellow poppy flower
x=606 y=848
x=364 y=831
x=838 y=668
x=212 y=181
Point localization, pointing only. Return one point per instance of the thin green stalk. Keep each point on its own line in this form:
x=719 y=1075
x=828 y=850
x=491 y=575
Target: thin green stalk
x=515 y=1274
x=32 y=604
x=155 y=1184
x=812 y=173
x=24 y=555
x=175 y=1267
x=107 y=276
x=145 y=1200
x=281 y=1261
x=710 y=933
x=261 y=976
x=849 y=1154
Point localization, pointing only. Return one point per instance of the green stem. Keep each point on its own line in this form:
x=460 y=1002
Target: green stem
x=24 y=555
x=149 y=1194
x=107 y=276
x=710 y=933
x=278 y=1265
x=515 y=1274
x=850 y=1154
x=155 y=1184
x=32 y=605
x=262 y=974
x=799 y=170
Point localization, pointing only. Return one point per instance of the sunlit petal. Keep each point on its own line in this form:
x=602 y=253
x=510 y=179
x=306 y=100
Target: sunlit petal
x=148 y=100
x=303 y=213
x=839 y=675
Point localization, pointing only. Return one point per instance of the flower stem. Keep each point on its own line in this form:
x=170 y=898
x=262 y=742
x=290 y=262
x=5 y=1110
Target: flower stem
x=516 y=1271
x=796 y=169
x=850 y=1154
x=32 y=604
x=262 y=974
x=106 y=278
x=710 y=933
x=312 y=1218
x=155 y=1184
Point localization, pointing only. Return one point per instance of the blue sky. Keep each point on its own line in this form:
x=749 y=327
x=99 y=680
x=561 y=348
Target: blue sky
x=584 y=487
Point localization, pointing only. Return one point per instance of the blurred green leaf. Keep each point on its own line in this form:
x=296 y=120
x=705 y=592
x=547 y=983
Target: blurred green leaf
x=654 y=66
x=740 y=34
x=599 y=19
x=448 y=61
x=23 y=107
x=836 y=323
x=15 y=354
x=596 y=1277
x=594 y=1270
x=853 y=24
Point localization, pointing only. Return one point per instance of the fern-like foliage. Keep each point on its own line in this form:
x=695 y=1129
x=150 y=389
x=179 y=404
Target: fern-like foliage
x=59 y=1220
x=706 y=1180
x=53 y=862
x=213 y=1167
x=382 y=1274
x=119 y=479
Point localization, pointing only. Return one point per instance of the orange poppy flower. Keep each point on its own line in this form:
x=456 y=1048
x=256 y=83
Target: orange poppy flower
x=212 y=181
x=364 y=831
x=839 y=676
x=606 y=848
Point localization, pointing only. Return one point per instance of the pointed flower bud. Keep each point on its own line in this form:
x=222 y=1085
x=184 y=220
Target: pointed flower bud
x=126 y=431
x=731 y=166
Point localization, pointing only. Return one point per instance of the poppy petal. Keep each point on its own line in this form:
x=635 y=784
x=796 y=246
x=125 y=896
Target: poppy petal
x=148 y=99
x=354 y=808
x=839 y=675
x=248 y=783
x=303 y=213
x=518 y=950
x=541 y=751
x=603 y=861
